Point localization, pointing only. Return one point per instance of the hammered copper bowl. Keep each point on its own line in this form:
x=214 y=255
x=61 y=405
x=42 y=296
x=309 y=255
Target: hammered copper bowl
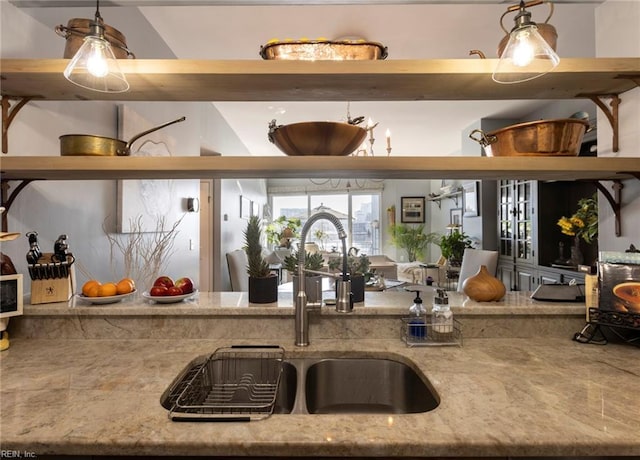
x=317 y=138
x=560 y=137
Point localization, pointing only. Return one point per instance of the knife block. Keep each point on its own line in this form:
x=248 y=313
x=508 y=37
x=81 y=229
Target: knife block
x=53 y=289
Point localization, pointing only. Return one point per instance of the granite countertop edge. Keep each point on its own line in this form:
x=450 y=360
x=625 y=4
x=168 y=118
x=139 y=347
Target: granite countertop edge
x=499 y=397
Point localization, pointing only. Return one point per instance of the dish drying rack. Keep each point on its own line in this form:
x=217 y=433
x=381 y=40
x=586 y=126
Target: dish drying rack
x=426 y=334
x=237 y=383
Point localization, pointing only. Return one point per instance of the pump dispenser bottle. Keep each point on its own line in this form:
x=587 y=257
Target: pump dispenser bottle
x=417 y=316
x=441 y=315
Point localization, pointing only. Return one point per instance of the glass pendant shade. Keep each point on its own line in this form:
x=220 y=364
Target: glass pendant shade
x=526 y=56
x=95 y=67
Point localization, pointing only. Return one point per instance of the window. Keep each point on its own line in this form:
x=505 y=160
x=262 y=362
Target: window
x=358 y=212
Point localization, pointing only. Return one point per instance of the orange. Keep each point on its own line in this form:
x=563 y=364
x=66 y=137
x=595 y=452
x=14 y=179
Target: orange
x=90 y=286
x=125 y=286
x=107 y=289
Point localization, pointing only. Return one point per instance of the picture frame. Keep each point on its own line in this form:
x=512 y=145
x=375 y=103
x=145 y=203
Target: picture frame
x=455 y=220
x=412 y=209
x=11 y=293
x=470 y=199
x=245 y=207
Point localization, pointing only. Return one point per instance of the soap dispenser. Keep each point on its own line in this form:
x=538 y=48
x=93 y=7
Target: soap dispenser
x=441 y=315
x=417 y=316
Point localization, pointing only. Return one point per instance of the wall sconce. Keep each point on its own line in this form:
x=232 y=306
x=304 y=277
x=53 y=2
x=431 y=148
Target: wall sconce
x=94 y=66
x=527 y=55
x=193 y=205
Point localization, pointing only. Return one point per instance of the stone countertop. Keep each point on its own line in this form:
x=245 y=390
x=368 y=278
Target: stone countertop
x=236 y=303
x=499 y=397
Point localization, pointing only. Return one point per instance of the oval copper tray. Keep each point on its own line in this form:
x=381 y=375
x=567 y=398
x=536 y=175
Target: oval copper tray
x=308 y=50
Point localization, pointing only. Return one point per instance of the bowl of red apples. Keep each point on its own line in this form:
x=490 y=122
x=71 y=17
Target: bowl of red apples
x=165 y=290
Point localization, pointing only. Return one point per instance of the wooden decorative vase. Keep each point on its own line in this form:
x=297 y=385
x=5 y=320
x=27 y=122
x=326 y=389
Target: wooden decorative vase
x=483 y=287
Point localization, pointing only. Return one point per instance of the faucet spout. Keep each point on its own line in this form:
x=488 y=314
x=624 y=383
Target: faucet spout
x=344 y=301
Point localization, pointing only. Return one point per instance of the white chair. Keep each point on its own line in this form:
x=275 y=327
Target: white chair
x=237 y=263
x=471 y=261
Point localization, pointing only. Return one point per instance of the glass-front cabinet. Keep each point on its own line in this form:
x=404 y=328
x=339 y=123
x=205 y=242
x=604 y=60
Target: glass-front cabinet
x=516 y=233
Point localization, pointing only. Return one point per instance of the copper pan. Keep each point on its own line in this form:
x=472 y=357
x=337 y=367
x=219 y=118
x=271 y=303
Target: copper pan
x=560 y=137
x=87 y=145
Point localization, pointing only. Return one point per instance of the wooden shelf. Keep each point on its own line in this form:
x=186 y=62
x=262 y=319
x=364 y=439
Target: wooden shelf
x=98 y=168
x=389 y=80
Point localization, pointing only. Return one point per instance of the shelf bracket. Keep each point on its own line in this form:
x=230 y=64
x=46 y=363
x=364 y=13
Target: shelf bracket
x=614 y=201
x=7 y=199
x=610 y=113
x=8 y=114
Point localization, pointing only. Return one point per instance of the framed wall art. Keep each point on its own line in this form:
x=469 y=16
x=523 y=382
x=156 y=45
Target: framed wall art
x=455 y=220
x=245 y=207
x=412 y=210
x=470 y=199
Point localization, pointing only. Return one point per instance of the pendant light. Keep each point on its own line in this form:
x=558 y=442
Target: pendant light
x=527 y=55
x=94 y=66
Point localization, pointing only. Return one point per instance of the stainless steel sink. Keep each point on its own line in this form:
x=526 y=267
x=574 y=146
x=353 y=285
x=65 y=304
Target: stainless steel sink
x=362 y=385
x=345 y=385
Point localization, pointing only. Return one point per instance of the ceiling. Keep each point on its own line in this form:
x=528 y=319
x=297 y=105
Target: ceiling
x=215 y=29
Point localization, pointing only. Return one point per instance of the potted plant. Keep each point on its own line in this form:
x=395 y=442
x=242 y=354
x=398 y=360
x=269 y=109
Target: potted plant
x=358 y=267
x=453 y=245
x=263 y=284
x=282 y=230
x=313 y=282
x=412 y=239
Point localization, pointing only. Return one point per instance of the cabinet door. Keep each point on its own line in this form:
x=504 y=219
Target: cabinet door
x=516 y=223
x=549 y=277
x=505 y=273
x=525 y=278
x=505 y=218
x=523 y=222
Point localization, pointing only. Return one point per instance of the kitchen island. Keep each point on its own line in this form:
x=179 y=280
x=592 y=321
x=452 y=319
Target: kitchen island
x=78 y=381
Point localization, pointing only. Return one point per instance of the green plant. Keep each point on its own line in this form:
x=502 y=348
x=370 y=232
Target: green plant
x=356 y=264
x=412 y=239
x=584 y=222
x=257 y=266
x=453 y=245
x=312 y=261
x=281 y=230
x=321 y=236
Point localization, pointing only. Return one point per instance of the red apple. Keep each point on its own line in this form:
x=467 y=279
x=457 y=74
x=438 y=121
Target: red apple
x=163 y=281
x=174 y=290
x=185 y=284
x=157 y=291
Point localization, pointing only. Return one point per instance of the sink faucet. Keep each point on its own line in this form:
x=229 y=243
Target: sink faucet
x=344 y=300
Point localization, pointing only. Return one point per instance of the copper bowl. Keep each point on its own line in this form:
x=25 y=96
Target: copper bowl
x=318 y=50
x=317 y=138
x=561 y=137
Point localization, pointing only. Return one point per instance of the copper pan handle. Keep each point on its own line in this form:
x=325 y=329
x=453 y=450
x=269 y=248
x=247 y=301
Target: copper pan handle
x=484 y=139
x=127 y=149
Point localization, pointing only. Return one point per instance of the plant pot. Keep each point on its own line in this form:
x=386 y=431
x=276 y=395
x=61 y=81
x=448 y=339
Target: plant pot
x=357 y=288
x=313 y=288
x=263 y=290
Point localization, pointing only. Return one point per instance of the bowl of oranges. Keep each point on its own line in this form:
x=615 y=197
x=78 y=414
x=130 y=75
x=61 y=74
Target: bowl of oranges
x=98 y=293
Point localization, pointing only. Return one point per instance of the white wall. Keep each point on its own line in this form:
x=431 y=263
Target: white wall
x=618 y=35
x=232 y=225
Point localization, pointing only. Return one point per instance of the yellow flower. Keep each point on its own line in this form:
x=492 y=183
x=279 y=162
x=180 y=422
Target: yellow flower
x=577 y=221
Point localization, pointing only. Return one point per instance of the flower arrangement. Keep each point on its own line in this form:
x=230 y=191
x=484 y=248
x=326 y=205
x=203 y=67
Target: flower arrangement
x=584 y=222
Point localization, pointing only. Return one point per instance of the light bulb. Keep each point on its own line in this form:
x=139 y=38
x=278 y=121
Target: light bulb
x=97 y=63
x=524 y=52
